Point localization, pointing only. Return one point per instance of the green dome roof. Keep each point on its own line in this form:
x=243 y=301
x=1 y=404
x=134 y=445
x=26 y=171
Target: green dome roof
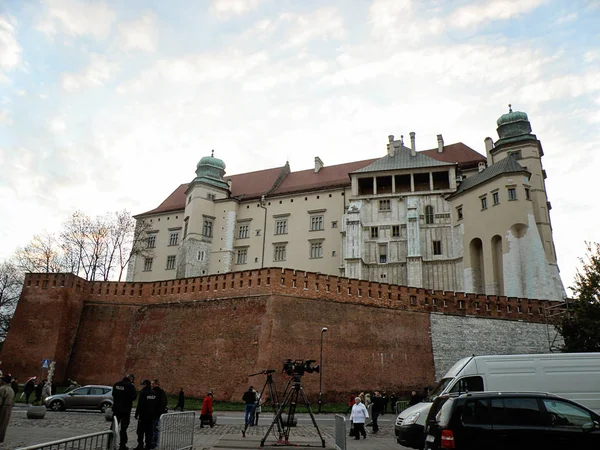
x=211 y=170
x=513 y=126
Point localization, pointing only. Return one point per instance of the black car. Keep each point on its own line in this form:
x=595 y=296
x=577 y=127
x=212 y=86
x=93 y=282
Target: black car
x=499 y=420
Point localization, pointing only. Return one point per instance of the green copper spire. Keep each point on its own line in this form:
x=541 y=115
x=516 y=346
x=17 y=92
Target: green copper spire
x=210 y=170
x=514 y=126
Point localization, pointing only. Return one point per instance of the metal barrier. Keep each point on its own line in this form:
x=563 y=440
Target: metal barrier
x=103 y=440
x=339 y=432
x=176 y=431
x=401 y=406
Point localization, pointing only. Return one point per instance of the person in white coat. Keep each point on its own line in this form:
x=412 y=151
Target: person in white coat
x=358 y=416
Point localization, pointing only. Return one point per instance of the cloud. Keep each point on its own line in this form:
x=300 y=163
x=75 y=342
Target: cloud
x=475 y=14
x=76 y=18
x=57 y=125
x=99 y=70
x=323 y=24
x=5 y=117
x=139 y=34
x=227 y=8
x=10 y=51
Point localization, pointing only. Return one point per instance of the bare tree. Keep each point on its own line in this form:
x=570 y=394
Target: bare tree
x=136 y=244
x=42 y=254
x=11 y=284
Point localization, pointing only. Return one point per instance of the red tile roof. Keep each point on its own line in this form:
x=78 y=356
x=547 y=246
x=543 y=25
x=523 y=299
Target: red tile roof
x=252 y=185
x=458 y=153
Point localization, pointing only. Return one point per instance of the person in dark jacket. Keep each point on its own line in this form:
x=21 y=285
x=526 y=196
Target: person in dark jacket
x=29 y=388
x=38 y=391
x=180 y=401
x=414 y=398
x=146 y=412
x=14 y=384
x=393 y=400
x=124 y=394
x=249 y=399
x=377 y=409
x=161 y=409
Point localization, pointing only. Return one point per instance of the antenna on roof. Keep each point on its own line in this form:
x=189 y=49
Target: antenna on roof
x=509 y=108
x=212 y=153
x=401 y=139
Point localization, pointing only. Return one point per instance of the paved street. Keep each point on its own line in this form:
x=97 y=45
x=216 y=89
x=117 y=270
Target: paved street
x=59 y=425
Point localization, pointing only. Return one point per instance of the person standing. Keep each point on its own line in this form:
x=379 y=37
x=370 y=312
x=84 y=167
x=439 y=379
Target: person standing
x=161 y=409
x=206 y=415
x=377 y=409
x=124 y=394
x=29 y=388
x=7 y=400
x=385 y=402
x=46 y=391
x=14 y=384
x=257 y=409
x=393 y=400
x=146 y=412
x=180 y=401
x=358 y=416
x=38 y=391
x=249 y=398
x=414 y=398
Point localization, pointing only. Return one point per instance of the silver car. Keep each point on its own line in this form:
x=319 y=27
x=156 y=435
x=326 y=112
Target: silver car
x=86 y=397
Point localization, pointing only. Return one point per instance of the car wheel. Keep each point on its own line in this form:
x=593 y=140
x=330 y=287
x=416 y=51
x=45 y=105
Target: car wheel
x=104 y=406
x=56 y=406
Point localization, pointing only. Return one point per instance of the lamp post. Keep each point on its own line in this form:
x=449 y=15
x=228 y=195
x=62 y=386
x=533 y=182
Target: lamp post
x=323 y=330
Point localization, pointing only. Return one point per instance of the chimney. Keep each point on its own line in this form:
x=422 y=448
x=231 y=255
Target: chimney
x=481 y=166
x=489 y=145
x=413 y=149
x=391 y=150
x=318 y=164
x=440 y=143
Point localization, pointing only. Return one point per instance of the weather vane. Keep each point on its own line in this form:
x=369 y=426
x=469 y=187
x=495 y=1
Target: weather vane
x=509 y=108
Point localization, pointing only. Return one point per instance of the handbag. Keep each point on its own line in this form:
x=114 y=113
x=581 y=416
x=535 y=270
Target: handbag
x=352 y=430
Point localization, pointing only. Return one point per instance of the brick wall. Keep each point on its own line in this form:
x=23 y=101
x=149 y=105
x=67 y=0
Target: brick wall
x=211 y=332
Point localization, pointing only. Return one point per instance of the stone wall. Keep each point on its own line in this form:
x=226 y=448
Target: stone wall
x=456 y=337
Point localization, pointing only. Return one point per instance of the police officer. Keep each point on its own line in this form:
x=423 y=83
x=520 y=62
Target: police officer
x=146 y=412
x=124 y=394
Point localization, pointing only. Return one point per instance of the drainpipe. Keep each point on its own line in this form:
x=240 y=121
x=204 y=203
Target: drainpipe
x=262 y=205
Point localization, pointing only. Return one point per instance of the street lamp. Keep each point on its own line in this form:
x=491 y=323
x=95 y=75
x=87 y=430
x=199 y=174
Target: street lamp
x=323 y=330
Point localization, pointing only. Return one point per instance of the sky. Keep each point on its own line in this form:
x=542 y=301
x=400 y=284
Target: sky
x=106 y=105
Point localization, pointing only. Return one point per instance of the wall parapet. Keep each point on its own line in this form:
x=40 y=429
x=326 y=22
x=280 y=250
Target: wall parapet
x=299 y=284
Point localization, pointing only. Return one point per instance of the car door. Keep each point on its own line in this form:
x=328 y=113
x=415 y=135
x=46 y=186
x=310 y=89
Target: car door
x=517 y=423
x=77 y=397
x=566 y=422
x=475 y=426
x=95 y=397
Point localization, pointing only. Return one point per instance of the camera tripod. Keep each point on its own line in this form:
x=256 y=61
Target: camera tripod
x=272 y=396
x=290 y=399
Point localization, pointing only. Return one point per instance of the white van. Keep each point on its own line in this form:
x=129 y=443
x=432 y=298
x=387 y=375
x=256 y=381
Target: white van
x=575 y=376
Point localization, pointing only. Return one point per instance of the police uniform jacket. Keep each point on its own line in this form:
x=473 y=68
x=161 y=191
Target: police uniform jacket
x=148 y=407
x=123 y=396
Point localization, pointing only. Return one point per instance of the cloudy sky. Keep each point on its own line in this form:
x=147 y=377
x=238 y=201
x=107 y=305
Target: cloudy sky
x=107 y=105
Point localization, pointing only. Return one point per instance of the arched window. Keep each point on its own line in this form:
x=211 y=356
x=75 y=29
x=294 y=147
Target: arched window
x=429 y=214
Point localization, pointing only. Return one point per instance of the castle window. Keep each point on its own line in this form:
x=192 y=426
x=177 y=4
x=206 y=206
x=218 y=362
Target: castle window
x=527 y=194
x=395 y=230
x=243 y=231
x=516 y=154
x=200 y=255
x=148 y=264
x=316 y=250
x=384 y=205
x=210 y=196
x=171 y=262
x=151 y=241
x=495 y=198
x=512 y=194
x=483 y=202
x=437 y=247
x=174 y=239
x=281 y=226
x=334 y=224
x=242 y=256
x=316 y=223
x=429 y=214
x=189 y=199
x=374 y=232
x=382 y=253
x=279 y=254
x=459 y=213
x=185 y=228
x=207 y=228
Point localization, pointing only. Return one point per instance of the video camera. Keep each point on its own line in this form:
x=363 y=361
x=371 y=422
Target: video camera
x=299 y=366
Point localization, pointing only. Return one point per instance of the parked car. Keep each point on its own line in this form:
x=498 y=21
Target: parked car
x=515 y=421
x=85 y=397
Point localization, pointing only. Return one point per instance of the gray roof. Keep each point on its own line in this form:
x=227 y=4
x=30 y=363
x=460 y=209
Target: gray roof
x=506 y=165
x=402 y=160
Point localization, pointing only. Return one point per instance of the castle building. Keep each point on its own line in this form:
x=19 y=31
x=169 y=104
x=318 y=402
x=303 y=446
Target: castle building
x=447 y=218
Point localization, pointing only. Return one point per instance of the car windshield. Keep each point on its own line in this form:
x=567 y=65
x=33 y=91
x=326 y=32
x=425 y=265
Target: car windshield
x=438 y=389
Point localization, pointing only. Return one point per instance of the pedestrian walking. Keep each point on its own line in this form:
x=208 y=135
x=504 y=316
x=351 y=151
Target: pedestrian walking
x=249 y=398
x=180 y=400
x=206 y=414
x=29 y=388
x=7 y=400
x=46 y=391
x=377 y=409
x=124 y=394
x=257 y=409
x=161 y=409
x=38 y=391
x=358 y=416
x=146 y=412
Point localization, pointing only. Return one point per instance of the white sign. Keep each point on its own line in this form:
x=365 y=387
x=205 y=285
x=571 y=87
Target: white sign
x=45 y=363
